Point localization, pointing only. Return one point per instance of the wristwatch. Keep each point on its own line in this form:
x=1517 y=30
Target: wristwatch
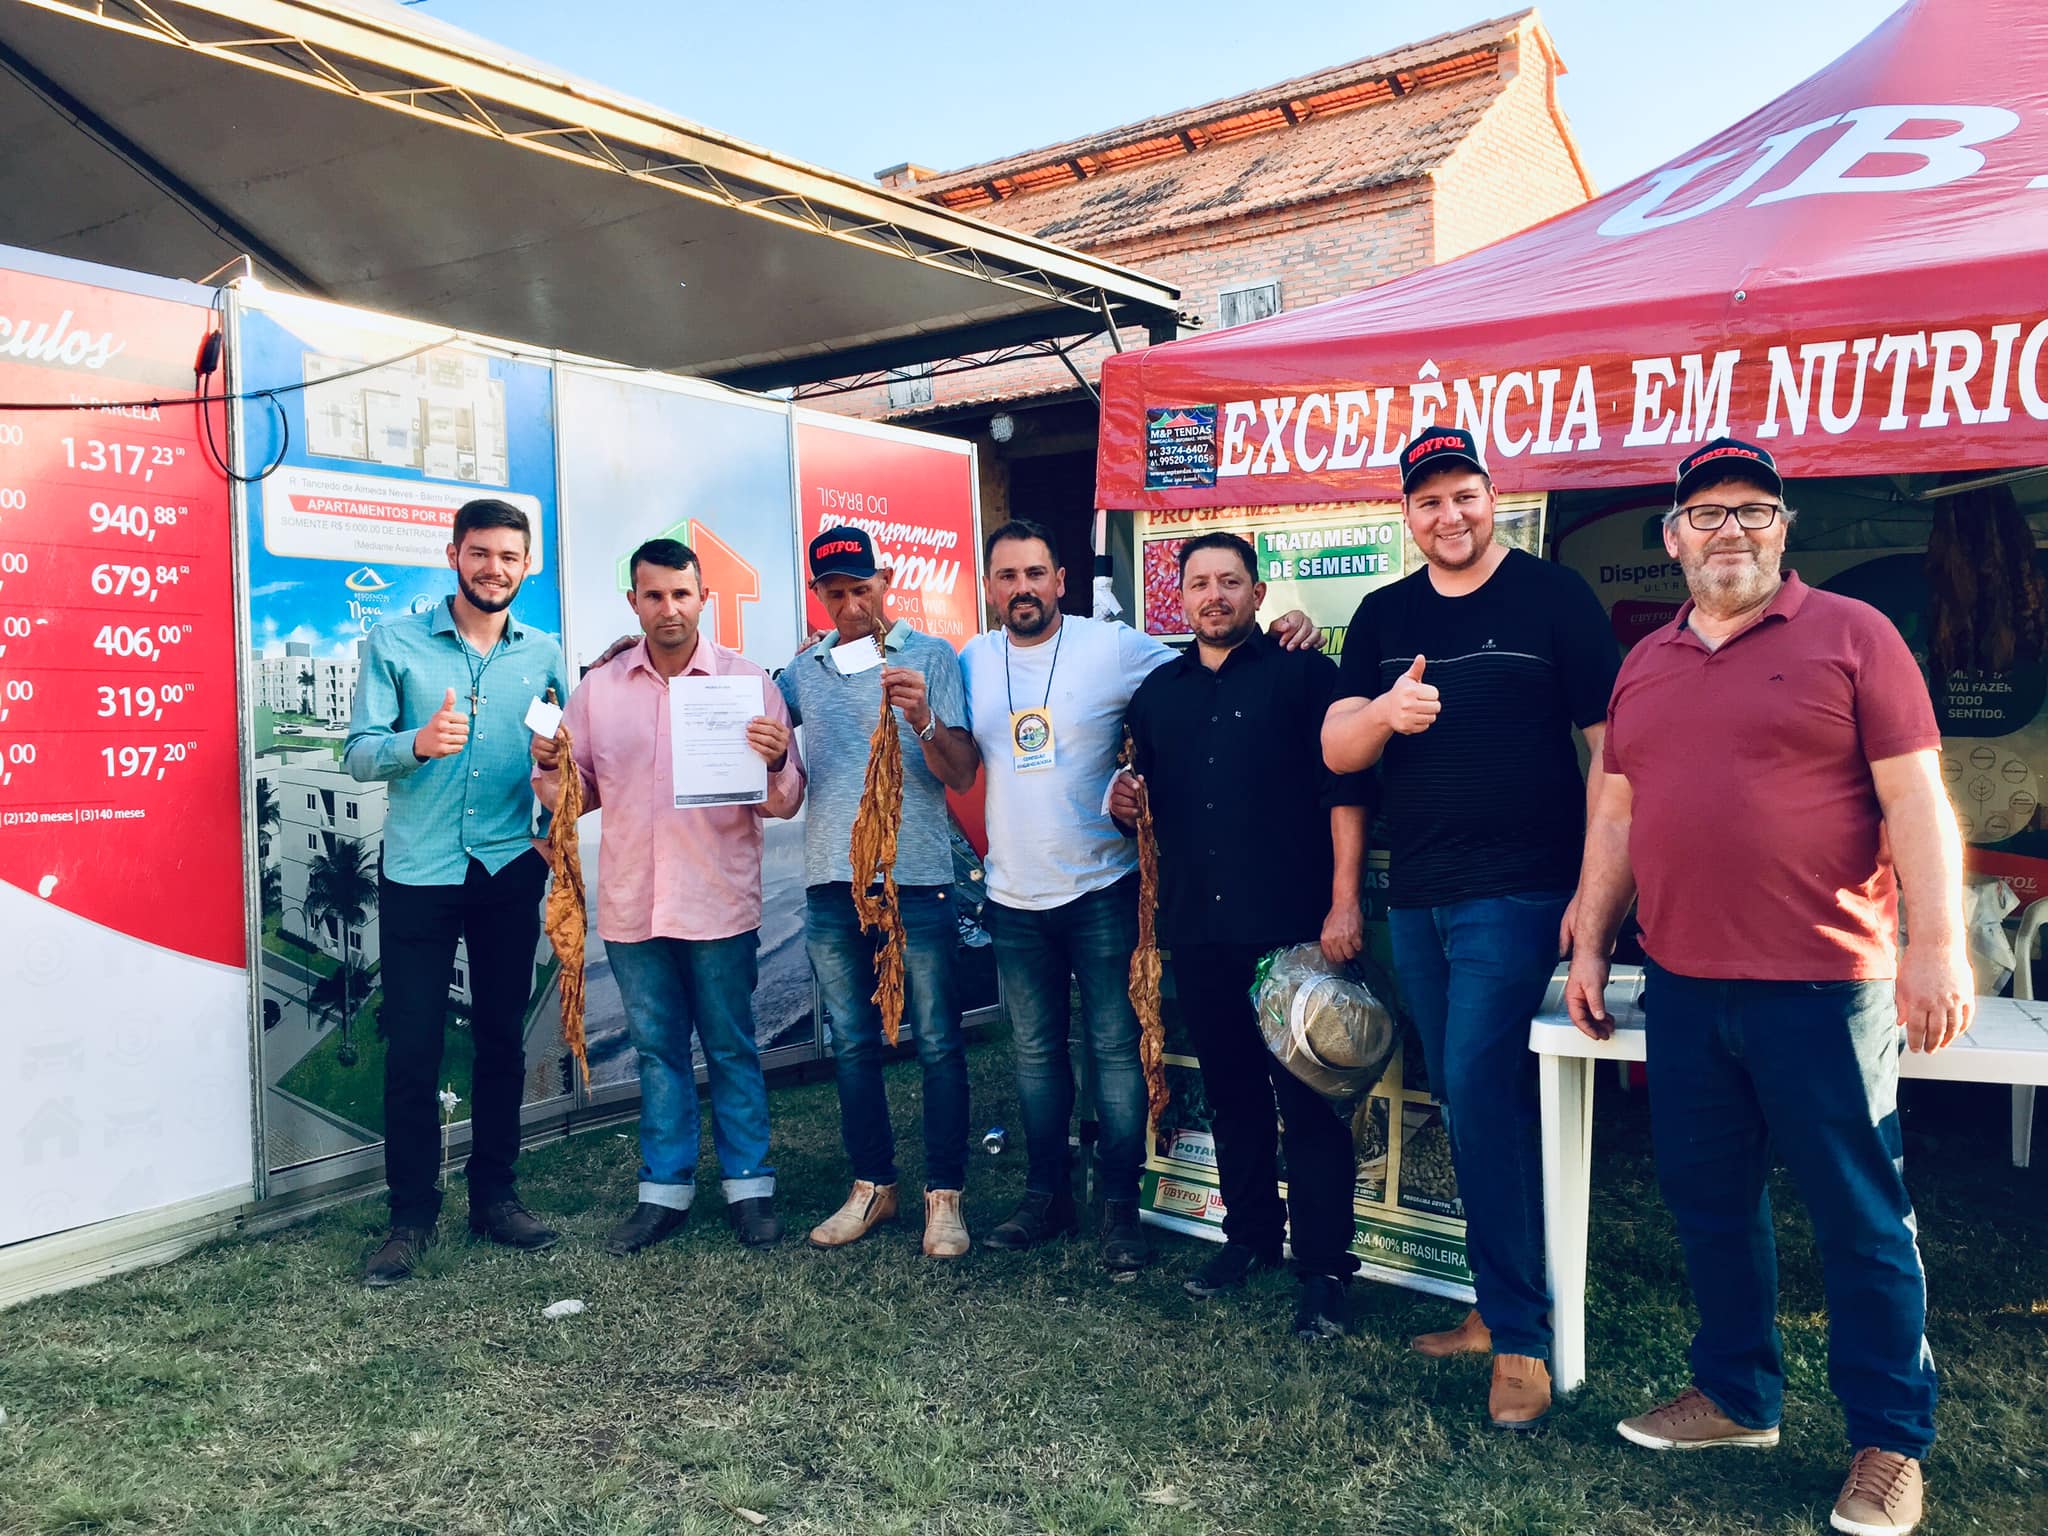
x=931 y=727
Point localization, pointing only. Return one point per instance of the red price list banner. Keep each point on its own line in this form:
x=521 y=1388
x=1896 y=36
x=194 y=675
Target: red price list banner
x=119 y=781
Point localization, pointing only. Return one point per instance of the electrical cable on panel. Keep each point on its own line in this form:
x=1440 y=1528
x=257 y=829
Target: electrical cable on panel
x=204 y=367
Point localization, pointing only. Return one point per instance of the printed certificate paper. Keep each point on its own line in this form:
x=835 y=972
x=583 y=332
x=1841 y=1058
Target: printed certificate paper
x=707 y=727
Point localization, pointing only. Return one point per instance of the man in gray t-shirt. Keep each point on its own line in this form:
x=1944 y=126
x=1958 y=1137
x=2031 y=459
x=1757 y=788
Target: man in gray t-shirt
x=835 y=691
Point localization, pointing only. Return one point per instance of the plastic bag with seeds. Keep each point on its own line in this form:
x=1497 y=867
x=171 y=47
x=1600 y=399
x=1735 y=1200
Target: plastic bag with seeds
x=1327 y=1026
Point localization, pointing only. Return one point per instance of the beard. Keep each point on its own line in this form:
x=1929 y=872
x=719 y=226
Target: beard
x=1479 y=542
x=1027 y=617
x=486 y=602
x=1241 y=626
x=1723 y=589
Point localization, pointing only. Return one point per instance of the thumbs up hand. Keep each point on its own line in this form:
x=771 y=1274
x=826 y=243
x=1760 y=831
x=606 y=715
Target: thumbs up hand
x=444 y=735
x=1412 y=705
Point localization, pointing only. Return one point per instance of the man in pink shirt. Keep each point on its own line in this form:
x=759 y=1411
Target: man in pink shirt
x=679 y=899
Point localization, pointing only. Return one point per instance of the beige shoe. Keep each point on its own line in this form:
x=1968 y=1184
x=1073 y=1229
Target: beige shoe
x=1882 y=1496
x=866 y=1208
x=1520 y=1395
x=1691 y=1421
x=945 y=1230
x=1471 y=1337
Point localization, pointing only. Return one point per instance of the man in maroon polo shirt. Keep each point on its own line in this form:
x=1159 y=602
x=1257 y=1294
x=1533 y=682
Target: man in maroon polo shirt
x=1773 y=783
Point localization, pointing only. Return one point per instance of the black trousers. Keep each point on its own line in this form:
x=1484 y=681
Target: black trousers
x=498 y=916
x=1249 y=1090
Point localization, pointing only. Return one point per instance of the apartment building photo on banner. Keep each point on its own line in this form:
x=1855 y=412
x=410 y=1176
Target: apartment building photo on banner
x=349 y=529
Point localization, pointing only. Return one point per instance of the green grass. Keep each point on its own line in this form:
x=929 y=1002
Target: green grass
x=255 y=1387
x=291 y=946
x=357 y=1093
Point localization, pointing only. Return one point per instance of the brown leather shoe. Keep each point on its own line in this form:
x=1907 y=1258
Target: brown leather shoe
x=945 y=1231
x=867 y=1207
x=1520 y=1396
x=1691 y=1421
x=509 y=1222
x=1471 y=1337
x=398 y=1257
x=1883 y=1496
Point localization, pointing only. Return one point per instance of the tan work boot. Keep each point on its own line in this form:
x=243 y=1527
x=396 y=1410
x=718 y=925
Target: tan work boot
x=1471 y=1337
x=866 y=1208
x=1520 y=1396
x=1691 y=1421
x=945 y=1230
x=1882 y=1496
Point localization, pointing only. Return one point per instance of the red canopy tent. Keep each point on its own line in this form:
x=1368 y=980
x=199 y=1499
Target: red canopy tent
x=1857 y=276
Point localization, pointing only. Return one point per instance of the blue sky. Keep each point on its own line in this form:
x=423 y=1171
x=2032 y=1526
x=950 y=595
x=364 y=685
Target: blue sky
x=858 y=86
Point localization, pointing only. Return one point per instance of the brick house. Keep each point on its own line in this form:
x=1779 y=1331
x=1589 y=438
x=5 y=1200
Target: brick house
x=1275 y=199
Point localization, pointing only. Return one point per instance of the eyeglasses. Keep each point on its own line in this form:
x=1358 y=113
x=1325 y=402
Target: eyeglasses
x=1706 y=516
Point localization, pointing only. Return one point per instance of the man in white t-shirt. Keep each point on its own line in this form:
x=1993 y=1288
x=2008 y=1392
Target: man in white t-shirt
x=1046 y=697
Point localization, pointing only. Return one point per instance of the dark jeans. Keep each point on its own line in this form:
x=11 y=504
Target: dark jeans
x=1244 y=1082
x=1810 y=1069
x=1473 y=974
x=843 y=961
x=1089 y=939
x=498 y=918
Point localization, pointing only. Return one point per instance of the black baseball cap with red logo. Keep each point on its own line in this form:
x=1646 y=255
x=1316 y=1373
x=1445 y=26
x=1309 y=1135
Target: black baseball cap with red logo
x=842 y=552
x=1727 y=457
x=1437 y=448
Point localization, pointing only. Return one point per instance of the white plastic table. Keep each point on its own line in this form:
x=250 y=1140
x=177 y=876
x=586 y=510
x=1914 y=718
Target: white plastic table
x=2007 y=1043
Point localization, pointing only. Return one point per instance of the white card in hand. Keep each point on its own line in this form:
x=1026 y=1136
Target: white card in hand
x=852 y=656
x=543 y=718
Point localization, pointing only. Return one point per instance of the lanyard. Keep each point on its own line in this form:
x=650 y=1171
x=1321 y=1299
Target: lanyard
x=1010 y=693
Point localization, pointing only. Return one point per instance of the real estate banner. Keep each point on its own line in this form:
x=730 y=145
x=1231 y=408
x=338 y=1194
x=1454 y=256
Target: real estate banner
x=124 y=989
x=379 y=431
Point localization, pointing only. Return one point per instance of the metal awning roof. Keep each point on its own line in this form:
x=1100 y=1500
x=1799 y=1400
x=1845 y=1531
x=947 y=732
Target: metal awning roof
x=367 y=154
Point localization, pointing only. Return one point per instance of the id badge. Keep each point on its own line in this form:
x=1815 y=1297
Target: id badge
x=1031 y=745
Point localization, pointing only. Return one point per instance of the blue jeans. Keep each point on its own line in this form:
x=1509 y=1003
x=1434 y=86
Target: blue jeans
x=1090 y=939
x=1810 y=1069
x=1473 y=974
x=843 y=961
x=669 y=987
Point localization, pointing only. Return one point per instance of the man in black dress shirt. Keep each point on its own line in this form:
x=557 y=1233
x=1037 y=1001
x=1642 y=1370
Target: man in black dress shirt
x=1260 y=847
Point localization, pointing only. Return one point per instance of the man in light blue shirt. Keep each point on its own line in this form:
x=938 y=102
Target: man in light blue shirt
x=838 y=703
x=439 y=716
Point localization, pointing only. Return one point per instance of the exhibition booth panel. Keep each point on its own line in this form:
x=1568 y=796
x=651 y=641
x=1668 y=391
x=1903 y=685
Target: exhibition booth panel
x=209 y=498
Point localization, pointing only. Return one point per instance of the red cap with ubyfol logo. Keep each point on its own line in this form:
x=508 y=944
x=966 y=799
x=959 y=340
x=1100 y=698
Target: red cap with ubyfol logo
x=1436 y=448
x=1727 y=456
x=842 y=552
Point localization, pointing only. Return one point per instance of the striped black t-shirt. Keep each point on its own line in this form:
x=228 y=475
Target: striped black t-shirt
x=1489 y=800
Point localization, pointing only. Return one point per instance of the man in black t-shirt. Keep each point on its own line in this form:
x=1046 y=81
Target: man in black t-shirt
x=1463 y=682
x=1260 y=847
